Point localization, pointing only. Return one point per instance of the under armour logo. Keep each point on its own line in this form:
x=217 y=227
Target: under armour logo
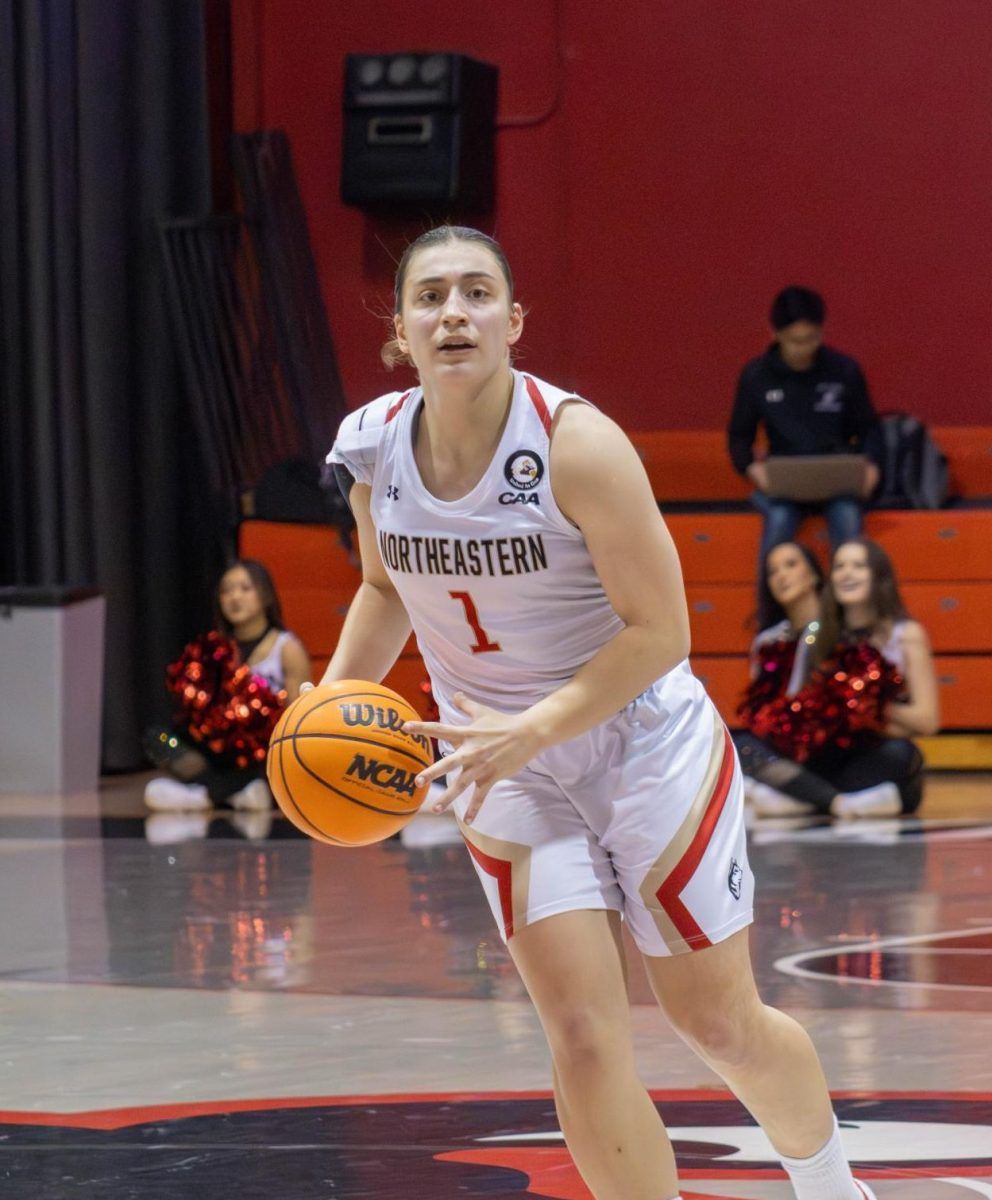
x=392 y=493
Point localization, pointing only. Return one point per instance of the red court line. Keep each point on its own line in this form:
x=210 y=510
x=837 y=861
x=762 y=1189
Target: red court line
x=119 y=1118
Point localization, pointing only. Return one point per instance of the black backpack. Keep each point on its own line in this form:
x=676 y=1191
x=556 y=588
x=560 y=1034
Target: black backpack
x=913 y=469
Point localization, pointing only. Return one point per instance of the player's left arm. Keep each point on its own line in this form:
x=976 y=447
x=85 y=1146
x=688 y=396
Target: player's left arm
x=920 y=715
x=295 y=666
x=600 y=485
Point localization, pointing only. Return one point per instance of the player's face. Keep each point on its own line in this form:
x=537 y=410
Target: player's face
x=850 y=575
x=239 y=598
x=457 y=320
x=790 y=577
x=798 y=344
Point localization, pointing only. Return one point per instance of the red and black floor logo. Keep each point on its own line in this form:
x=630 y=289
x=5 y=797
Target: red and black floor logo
x=936 y=1146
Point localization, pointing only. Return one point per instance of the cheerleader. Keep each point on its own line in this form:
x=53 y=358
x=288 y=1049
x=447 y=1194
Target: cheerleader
x=830 y=724
x=216 y=755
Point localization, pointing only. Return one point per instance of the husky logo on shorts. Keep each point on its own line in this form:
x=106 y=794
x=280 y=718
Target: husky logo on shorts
x=524 y=470
x=734 y=879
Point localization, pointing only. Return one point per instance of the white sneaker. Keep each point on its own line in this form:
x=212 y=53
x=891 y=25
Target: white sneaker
x=255 y=826
x=769 y=802
x=866 y=1191
x=169 y=795
x=880 y=801
x=168 y=828
x=253 y=797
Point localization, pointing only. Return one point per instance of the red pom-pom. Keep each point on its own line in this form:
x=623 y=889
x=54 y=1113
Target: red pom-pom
x=775 y=662
x=223 y=706
x=843 y=702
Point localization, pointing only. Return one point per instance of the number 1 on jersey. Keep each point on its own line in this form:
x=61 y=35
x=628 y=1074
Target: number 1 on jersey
x=483 y=644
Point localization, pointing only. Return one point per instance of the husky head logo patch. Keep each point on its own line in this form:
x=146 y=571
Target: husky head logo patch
x=524 y=470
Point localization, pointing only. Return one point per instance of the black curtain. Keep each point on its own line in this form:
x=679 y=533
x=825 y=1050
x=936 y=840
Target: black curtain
x=103 y=133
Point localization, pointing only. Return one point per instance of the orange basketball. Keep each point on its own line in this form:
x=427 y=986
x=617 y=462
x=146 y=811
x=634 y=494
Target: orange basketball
x=341 y=768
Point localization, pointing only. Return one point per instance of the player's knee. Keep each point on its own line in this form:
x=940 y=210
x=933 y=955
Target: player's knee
x=584 y=1041
x=725 y=1037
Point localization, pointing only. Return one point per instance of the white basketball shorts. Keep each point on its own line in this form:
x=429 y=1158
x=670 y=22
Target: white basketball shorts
x=643 y=814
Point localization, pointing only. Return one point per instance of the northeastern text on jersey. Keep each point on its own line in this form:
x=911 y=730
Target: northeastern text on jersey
x=463 y=556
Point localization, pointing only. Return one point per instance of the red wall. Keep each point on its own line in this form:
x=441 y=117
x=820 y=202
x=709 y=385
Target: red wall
x=693 y=157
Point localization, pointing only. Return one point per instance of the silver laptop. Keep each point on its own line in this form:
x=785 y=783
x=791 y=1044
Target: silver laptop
x=812 y=477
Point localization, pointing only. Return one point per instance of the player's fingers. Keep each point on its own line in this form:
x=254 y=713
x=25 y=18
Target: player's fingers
x=480 y=793
x=435 y=771
x=450 y=733
x=471 y=708
x=452 y=792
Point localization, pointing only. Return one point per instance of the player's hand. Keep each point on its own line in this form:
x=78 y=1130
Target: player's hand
x=491 y=747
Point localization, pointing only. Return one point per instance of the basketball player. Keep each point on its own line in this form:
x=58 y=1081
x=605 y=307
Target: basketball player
x=513 y=525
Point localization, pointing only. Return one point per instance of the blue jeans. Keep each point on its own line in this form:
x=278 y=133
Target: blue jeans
x=782 y=518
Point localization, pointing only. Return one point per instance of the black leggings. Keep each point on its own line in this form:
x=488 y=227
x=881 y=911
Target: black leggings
x=818 y=781
x=220 y=777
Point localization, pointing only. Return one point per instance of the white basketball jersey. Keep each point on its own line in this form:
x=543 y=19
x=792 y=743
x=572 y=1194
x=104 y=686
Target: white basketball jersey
x=500 y=587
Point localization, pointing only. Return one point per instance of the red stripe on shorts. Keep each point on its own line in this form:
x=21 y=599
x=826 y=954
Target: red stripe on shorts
x=501 y=871
x=538 y=401
x=395 y=408
x=669 y=894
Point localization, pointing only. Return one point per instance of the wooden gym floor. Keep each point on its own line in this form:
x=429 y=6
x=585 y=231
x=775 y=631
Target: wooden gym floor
x=215 y=1006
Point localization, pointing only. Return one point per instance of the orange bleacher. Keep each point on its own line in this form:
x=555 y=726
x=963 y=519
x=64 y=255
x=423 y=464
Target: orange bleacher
x=944 y=562
x=693 y=465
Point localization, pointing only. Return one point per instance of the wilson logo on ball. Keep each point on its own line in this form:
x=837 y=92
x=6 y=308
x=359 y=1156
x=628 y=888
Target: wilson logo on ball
x=369 y=716
x=383 y=775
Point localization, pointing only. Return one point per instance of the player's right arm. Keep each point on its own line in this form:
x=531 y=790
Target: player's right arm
x=377 y=626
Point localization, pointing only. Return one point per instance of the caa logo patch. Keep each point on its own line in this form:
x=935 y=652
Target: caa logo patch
x=524 y=470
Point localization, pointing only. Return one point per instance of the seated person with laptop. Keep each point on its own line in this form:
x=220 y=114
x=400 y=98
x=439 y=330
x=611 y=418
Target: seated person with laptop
x=813 y=403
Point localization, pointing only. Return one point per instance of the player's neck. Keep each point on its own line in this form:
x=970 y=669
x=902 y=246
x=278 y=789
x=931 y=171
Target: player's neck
x=457 y=436
x=464 y=423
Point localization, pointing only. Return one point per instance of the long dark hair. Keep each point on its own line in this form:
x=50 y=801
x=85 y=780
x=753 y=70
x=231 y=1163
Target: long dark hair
x=770 y=612
x=391 y=352
x=884 y=598
x=266 y=589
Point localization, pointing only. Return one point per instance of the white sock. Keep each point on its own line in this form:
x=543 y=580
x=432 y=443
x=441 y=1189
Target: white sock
x=883 y=800
x=824 y=1176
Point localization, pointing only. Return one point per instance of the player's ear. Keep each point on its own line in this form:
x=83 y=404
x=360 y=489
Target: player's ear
x=400 y=335
x=516 y=324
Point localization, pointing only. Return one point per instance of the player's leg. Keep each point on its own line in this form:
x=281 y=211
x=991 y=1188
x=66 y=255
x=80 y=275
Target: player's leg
x=765 y=1057
x=554 y=894
x=678 y=846
x=572 y=965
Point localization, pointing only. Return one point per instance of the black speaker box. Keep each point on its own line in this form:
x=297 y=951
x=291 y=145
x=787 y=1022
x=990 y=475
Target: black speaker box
x=418 y=129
